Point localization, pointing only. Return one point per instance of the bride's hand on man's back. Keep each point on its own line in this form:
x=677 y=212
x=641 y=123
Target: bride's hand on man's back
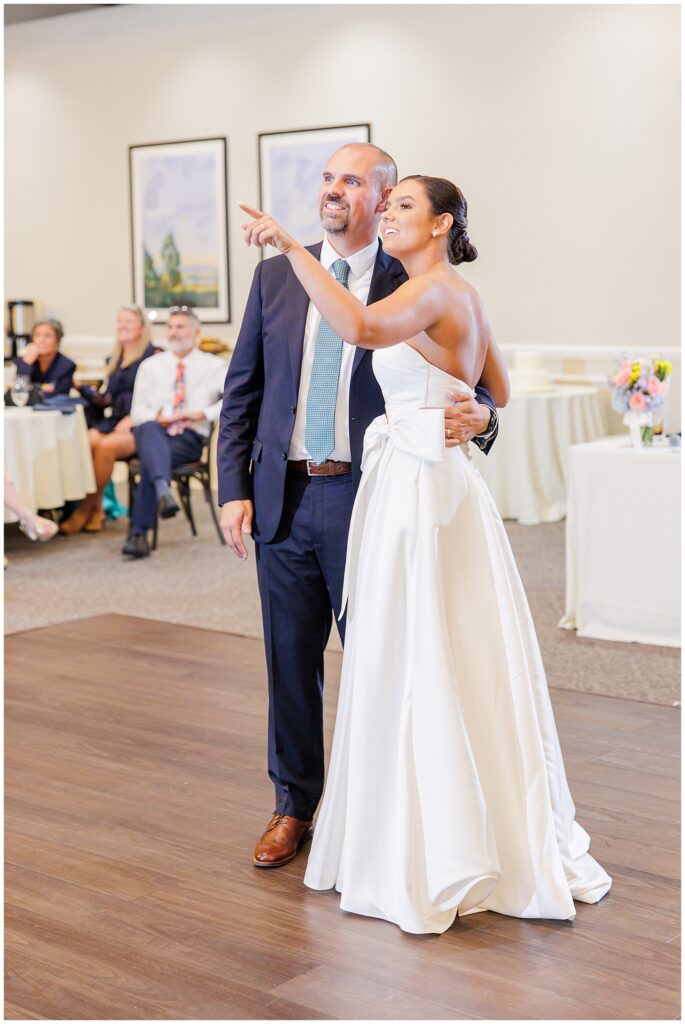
x=465 y=419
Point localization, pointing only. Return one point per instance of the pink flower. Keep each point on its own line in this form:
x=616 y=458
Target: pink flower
x=654 y=386
x=637 y=401
x=622 y=376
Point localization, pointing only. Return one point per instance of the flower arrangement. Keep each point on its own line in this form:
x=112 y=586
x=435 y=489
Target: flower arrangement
x=638 y=388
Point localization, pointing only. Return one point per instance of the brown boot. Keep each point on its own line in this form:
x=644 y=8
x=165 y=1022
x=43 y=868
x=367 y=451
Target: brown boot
x=96 y=521
x=281 y=841
x=77 y=520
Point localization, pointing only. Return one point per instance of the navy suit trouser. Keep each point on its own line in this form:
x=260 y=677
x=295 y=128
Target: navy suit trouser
x=158 y=454
x=300 y=577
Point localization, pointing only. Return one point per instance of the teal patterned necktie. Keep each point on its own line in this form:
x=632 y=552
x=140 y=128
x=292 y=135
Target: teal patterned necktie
x=319 y=436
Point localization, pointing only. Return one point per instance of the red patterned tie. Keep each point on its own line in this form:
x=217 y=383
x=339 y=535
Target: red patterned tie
x=179 y=399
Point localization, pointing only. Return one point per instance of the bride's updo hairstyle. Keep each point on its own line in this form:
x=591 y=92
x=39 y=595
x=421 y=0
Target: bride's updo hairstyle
x=445 y=197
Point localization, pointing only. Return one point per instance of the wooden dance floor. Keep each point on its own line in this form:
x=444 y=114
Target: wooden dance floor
x=136 y=787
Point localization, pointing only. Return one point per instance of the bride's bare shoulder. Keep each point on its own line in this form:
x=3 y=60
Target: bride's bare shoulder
x=471 y=299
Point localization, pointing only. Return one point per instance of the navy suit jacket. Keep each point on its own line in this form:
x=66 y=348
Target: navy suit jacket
x=60 y=372
x=262 y=386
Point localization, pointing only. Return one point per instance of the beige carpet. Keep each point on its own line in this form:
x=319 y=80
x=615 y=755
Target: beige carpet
x=196 y=582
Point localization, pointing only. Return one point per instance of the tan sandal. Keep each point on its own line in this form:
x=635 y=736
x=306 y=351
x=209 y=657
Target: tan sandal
x=96 y=521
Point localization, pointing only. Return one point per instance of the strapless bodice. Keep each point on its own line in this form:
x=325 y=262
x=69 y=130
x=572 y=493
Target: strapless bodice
x=416 y=394
x=408 y=381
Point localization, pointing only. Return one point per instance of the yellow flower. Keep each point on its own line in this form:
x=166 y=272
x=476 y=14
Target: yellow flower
x=663 y=368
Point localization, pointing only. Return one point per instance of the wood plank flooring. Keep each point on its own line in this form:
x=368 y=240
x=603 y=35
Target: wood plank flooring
x=135 y=790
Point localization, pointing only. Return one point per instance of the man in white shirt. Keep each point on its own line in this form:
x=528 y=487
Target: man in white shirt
x=361 y=266
x=174 y=403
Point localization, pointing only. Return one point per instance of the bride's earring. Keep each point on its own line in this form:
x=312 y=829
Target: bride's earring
x=434 y=234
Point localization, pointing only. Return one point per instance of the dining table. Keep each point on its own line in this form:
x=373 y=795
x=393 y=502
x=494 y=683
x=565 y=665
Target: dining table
x=526 y=470
x=47 y=454
x=623 y=542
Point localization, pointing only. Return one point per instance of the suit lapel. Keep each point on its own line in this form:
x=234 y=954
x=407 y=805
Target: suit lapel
x=388 y=275
x=296 y=306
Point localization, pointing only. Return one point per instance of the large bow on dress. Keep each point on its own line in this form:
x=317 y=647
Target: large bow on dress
x=418 y=432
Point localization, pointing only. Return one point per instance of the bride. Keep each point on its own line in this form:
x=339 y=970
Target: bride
x=446 y=791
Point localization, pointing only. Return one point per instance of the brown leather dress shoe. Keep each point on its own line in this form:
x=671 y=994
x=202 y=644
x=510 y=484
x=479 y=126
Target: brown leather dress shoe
x=281 y=841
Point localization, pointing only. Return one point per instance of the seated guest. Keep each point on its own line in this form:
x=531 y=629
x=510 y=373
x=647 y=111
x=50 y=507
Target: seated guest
x=176 y=396
x=111 y=437
x=42 y=361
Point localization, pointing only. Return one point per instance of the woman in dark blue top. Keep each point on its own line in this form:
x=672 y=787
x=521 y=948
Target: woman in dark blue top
x=110 y=406
x=42 y=361
x=110 y=436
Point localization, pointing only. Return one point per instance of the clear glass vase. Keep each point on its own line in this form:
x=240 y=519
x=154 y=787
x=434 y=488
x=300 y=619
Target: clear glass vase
x=647 y=433
x=641 y=427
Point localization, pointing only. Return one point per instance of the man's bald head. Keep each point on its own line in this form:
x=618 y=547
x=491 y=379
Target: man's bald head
x=377 y=160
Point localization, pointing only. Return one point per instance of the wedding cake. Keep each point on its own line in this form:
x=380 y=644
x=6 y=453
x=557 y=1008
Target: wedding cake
x=528 y=374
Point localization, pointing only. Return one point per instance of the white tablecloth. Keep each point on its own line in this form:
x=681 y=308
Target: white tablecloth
x=623 y=543
x=48 y=456
x=527 y=468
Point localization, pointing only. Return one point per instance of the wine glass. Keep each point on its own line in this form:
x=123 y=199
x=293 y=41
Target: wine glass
x=21 y=389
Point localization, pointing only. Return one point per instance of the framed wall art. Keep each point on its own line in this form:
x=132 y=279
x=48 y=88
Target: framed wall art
x=179 y=227
x=290 y=166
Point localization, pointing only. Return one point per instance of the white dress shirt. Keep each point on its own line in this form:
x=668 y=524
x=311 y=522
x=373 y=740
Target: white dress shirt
x=359 y=282
x=156 y=382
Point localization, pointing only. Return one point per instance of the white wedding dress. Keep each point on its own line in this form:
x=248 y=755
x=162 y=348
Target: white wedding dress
x=446 y=792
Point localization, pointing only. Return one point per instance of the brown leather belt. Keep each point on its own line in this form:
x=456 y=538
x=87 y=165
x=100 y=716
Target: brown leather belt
x=327 y=468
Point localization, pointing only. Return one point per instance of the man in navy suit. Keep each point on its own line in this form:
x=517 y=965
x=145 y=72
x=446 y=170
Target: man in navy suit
x=298 y=510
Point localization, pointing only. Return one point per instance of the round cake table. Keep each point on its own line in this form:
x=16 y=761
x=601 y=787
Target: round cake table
x=527 y=468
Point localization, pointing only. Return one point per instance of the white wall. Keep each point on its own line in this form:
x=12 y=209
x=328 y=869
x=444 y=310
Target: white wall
x=561 y=124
